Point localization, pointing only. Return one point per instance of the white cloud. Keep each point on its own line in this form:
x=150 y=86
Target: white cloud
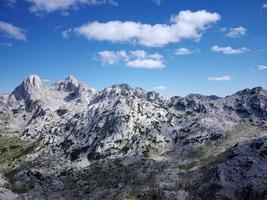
x=262 y=67
x=220 y=78
x=236 y=32
x=264 y=5
x=112 y=57
x=184 y=51
x=229 y=50
x=12 y=31
x=65 y=33
x=159 y=88
x=146 y=63
x=53 y=5
x=185 y=25
x=136 y=59
x=138 y=53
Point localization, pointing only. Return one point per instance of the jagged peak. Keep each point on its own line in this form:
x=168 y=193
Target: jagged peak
x=72 y=79
x=70 y=84
x=153 y=95
x=117 y=89
x=122 y=86
x=33 y=81
x=248 y=91
x=33 y=78
x=33 y=84
x=257 y=89
x=125 y=89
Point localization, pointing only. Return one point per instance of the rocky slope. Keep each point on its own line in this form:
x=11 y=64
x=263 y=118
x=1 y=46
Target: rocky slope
x=69 y=141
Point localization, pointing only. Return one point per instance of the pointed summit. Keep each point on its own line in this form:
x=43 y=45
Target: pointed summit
x=35 y=81
x=71 y=78
x=70 y=84
x=30 y=87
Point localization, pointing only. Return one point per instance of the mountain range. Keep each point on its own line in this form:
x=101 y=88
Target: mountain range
x=68 y=141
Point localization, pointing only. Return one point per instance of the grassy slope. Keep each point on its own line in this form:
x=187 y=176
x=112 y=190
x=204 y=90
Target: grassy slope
x=212 y=153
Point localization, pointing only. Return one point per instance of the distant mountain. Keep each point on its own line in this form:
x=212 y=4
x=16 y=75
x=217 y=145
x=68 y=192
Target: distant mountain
x=70 y=141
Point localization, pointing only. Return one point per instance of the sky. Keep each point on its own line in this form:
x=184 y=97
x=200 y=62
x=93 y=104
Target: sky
x=175 y=47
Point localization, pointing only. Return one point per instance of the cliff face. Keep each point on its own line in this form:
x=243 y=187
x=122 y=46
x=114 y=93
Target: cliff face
x=69 y=141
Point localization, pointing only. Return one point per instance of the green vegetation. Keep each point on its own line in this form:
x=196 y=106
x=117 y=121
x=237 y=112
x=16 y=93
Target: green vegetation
x=9 y=174
x=149 y=180
x=150 y=150
x=12 y=148
x=6 y=131
x=202 y=162
x=139 y=128
x=212 y=153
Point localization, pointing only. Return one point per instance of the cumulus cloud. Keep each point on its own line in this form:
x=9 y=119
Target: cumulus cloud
x=229 y=50
x=12 y=31
x=136 y=59
x=184 y=51
x=236 y=32
x=185 y=25
x=146 y=63
x=220 y=78
x=53 y=5
x=112 y=57
x=262 y=67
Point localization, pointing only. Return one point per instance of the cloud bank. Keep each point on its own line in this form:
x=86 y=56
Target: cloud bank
x=185 y=25
x=220 y=78
x=135 y=59
x=236 y=32
x=53 y=5
x=184 y=51
x=229 y=50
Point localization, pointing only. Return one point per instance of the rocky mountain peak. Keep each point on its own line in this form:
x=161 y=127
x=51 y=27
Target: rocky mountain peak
x=117 y=89
x=122 y=86
x=30 y=87
x=71 y=79
x=70 y=84
x=253 y=91
x=34 y=80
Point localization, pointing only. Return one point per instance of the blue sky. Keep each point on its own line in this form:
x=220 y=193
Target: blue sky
x=174 y=46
